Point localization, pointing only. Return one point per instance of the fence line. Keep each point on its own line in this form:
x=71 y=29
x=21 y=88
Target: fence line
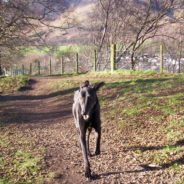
x=110 y=58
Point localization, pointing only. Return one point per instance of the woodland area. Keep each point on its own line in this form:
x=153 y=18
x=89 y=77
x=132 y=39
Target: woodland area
x=130 y=24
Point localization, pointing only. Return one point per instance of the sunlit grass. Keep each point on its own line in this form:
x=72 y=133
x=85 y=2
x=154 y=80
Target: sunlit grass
x=12 y=84
x=21 y=160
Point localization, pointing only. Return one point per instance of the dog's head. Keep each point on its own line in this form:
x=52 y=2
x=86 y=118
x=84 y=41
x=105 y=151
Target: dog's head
x=88 y=98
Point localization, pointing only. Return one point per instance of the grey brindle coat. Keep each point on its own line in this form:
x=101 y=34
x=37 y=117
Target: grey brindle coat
x=86 y=112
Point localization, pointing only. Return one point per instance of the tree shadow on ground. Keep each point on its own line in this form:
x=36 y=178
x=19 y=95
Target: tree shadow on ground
x=28 y=86
x=113 y=173
x=36 y=97
x=149 y=148
x=139 y=85
x=23 y=117
x=179 y=161
x=137 y=82
x=146 y=167
x=26 y=108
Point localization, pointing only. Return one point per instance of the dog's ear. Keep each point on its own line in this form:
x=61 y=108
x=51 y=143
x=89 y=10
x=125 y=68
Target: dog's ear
x=98 y=85
x=85 y=84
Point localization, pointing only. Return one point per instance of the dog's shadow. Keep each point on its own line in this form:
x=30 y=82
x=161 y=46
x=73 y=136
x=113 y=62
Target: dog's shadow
x=104 y=175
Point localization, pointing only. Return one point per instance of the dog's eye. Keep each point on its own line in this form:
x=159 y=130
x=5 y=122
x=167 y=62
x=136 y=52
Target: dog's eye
x=90 y=97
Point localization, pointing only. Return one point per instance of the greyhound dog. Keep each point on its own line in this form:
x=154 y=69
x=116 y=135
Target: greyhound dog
x=86 y=112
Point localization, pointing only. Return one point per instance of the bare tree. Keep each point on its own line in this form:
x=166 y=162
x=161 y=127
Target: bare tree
x=174 y=42
x=131 y=23
x=25 y=22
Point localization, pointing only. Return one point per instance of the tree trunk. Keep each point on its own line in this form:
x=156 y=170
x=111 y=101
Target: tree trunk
x=132 y=61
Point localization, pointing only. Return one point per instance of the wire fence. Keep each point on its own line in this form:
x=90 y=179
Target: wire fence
x=154 y=57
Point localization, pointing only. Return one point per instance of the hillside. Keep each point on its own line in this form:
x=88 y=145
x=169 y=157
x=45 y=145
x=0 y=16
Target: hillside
x=77 y=17
x=78 y=14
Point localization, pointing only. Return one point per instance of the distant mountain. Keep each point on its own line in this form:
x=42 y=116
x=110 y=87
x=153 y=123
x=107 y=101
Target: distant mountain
x=80 y=11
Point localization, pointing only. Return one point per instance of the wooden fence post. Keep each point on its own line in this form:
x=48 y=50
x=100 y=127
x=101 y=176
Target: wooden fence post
x=95 y=60
x=30 y=69
x=22 y=69
x=39 y=68
x=161 y=59
x=16 y=70
x=179 y=60
x=62 y=65
x=50 y=67
x=113 y=57
x=77 y=63
x=11 y=70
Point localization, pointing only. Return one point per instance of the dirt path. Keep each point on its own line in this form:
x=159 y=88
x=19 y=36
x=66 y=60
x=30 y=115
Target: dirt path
x=48 y=118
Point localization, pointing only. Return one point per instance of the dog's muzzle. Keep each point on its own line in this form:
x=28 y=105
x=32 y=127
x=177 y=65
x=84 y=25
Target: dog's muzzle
x=85 y=117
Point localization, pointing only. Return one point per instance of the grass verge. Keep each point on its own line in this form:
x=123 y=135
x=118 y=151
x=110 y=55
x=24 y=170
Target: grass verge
x=13 y=84
x=21 y=159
